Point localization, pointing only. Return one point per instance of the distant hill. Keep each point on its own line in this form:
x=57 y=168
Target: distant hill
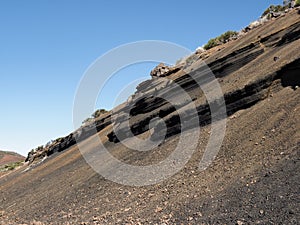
x=7 y=157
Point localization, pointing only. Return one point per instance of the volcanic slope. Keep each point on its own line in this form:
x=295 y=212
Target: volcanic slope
x=253 y=180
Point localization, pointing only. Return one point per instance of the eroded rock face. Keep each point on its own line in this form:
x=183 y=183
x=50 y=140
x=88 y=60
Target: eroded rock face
x=163 y=70
x=244 y=95
x=236 y=70
x=61 y=144
x=160 y=70
x=254 y=179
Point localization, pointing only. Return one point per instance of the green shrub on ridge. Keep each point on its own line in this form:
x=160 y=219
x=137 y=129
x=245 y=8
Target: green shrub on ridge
x=223 y=38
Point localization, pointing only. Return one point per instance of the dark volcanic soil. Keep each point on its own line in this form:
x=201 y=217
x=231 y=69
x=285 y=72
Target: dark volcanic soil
x=253 y=180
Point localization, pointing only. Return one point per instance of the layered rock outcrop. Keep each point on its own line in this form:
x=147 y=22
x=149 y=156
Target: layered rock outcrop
x=235 y=66
x=254 y=178
x=162 y=70
x=245 y=87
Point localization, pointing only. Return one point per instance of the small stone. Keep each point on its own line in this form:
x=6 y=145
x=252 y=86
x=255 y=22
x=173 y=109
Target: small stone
x=239 y=222
x=199 y=214
x=232 y=117
x=158 y=209
x=261 y=211
x=190 y=218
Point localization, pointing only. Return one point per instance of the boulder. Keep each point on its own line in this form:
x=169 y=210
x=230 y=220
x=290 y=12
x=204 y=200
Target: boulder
x=160 y=70
x=163 y=70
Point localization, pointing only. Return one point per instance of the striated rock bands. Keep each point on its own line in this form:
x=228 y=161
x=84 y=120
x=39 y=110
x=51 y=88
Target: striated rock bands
x=272 y=47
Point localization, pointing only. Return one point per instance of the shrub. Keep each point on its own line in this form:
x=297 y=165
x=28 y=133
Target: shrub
x=98 y=113
x=88 y=120
x=211 y=43
x=225 y=37
x=58 y=139
x=95 y=115
x=10 y=166
x=266 y=12
x=274 y=8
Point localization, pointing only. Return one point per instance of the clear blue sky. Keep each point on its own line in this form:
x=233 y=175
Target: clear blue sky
x=45 y=47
